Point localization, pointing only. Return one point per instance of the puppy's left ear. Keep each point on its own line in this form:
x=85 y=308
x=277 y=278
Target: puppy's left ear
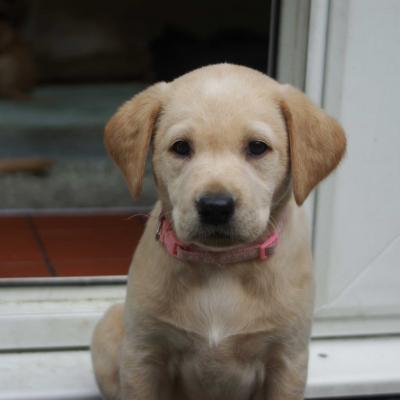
x=317 y=142
x=128 y=134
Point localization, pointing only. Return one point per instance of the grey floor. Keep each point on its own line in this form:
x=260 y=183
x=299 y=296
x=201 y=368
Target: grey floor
x=65 y=123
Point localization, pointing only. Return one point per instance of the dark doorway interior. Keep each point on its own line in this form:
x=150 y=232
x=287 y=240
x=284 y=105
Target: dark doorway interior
x=83 y=59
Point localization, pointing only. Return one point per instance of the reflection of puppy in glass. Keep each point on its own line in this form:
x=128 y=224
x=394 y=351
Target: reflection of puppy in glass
x=17 y=69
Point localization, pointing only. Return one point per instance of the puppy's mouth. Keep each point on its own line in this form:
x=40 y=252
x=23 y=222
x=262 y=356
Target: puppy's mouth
x=216 y=238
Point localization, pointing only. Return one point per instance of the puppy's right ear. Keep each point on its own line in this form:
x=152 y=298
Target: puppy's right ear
x=128 y=134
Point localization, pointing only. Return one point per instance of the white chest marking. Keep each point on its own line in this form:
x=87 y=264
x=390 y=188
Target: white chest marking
x=221 y=309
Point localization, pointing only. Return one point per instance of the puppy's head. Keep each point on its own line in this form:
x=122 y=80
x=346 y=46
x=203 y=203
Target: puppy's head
x=228 y=144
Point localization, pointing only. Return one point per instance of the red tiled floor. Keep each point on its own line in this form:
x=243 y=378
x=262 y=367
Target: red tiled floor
x=87 y=221
x=11 y=223
x=20 y=254
x=90 y=267
x=75 y=245
x=23 y=269
x=90 y=242
x=16 y=235
x=88 y=237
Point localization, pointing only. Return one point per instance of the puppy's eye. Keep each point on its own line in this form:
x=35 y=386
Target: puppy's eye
x=182 y=148
x=257 y=148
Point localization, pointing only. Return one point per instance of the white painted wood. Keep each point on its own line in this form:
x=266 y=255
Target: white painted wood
x=325 y=327
x=47 y=376
x=53 y=317
x=337 y=368
x=357 y=247
x=292 y=43
x=316 y=50
x=48 y=318
x=353 y=367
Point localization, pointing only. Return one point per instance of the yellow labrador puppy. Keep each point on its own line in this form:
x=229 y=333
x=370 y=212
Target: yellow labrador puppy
x=220 y=291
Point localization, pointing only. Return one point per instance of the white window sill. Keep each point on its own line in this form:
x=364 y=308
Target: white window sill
x=338 y=367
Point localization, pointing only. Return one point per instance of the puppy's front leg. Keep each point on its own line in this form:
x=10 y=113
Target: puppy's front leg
x=144 y=375
x=285 y=377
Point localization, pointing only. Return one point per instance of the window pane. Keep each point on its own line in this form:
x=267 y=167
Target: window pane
x=68 y=67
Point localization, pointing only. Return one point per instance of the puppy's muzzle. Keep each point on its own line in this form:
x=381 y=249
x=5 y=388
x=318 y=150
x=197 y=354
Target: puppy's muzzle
x=215 y=208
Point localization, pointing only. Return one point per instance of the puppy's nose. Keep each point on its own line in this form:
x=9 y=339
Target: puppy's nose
x=215 y=208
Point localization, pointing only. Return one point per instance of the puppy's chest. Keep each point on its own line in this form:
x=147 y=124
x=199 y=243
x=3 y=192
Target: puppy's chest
x=221 y=341
x=220 y=310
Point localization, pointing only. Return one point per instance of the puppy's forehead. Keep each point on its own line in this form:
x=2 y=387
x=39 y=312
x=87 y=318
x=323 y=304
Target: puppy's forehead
x=223 y=97
x=217 y=87
x=222 y=84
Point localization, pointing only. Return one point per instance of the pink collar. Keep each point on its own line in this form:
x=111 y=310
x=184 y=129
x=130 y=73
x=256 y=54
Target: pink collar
x=176 y=248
